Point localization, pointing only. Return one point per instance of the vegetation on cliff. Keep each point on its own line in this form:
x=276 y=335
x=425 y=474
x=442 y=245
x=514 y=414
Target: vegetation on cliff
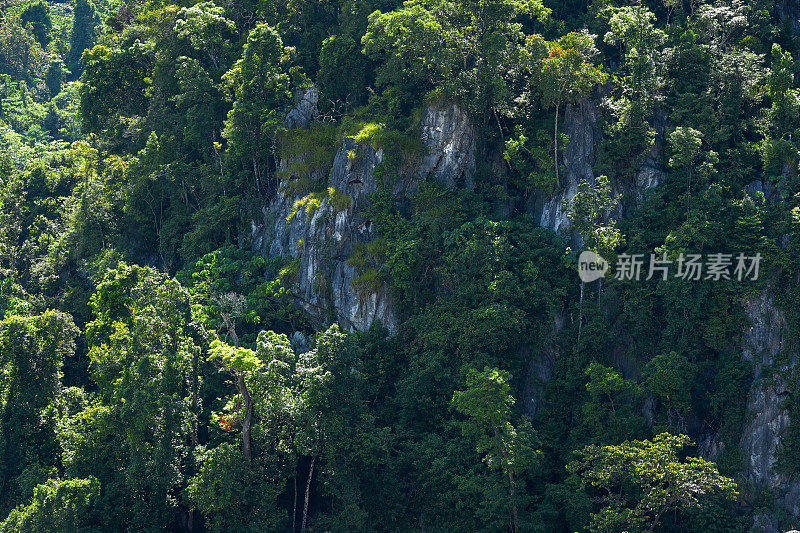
x=156 y=374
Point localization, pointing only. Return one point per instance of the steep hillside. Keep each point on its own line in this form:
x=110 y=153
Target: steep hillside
x=400 y=266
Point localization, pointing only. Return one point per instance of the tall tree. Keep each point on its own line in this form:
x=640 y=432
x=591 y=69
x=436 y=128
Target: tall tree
x=32 y=352
x=207 y=30
x=37 y=15
x=632 y=29
x=487 y=403
x=20 y=55
x=261 y=93
x=463 y=50
x=565 y=74
x=135 y=436
x=84 y=21
x=780 y=150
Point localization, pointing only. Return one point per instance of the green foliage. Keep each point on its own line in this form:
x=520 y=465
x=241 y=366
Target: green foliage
x=58 y=505
x=37 y=14
x=565 y=74
x=590 y=214
x=529 y=156
x=205 y=27
x=631 y=136
x=669 y=378
x=126 y=408
x=142 y=354
x=261 y=92
x=645 y=480
x=487 y=404
x=113 y=87
x=310 y=203
x=233 y=493
x=20 y=55
x=342 y=53
x=83 y=34
x=306 y=157
x=778 y=150
x=32 y=352
x=463 y=53
x=609 y=412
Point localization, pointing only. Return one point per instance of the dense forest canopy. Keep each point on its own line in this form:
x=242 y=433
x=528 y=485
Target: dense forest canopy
x=170 y=362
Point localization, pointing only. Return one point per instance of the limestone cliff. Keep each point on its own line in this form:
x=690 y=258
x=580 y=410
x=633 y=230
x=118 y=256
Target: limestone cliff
x=767 y=418
x=579 y=158
x=322 y=238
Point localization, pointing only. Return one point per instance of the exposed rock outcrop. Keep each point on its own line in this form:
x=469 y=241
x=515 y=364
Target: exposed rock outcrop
x=770 y=192
x=766 y=336
x=789 y=12
x=578 y=157
x=300 y=343
x=449 y=138
x=322 y=238
x=650 y=174
x=580 y=124
x=767 y=419
x=540 y=370
x=305 y=109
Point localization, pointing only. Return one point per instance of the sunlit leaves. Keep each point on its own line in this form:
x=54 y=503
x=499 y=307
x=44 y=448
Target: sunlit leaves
x=640 y=481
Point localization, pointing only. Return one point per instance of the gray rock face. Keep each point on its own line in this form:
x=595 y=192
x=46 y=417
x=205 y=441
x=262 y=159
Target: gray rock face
x=449 y=138
x=300 y=343
x=578 y=157
x=767 y=420
x=789 y=10
x=540 y=370
x=756 y=187
x=766 y=336
x=580 y=124
x=323 y=239
x=648 y=177
x=305 y=109
x=650 y=174
x=761 y=435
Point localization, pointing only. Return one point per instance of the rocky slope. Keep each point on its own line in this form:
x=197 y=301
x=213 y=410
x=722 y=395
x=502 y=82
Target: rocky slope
x=579 y=157
x=323 y=239
x=767 y=418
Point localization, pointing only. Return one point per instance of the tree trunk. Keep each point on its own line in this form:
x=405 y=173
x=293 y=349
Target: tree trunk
x=231 y=329
x=241 y=386
x=515 y=517
x=499 y=127
x=248 y=414
x=555 y=148
x=599 y=290
x=688 y=191
x=257 y=174
x=294 y=507
x=511 y=488
x=308 y=491
x=195 y=371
